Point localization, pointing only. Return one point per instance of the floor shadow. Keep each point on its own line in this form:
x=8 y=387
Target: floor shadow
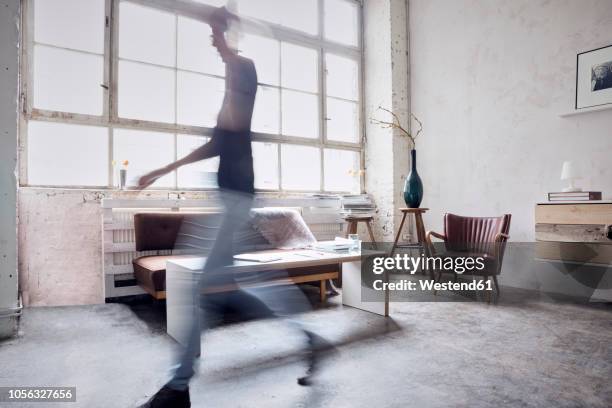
x=153 y=312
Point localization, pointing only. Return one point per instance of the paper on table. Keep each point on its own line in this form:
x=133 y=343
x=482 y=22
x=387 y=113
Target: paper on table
x=257 y=257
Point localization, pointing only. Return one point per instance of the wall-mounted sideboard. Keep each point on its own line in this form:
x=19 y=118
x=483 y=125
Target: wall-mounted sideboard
x=576 y=233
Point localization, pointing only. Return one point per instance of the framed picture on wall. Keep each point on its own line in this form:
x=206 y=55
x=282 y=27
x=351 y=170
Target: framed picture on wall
x=594 y=78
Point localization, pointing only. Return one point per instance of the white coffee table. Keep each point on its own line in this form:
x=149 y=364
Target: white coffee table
x=183 y=274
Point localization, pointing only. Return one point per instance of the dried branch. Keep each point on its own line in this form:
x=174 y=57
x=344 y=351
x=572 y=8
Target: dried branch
x=396 y=124
x=419 y=123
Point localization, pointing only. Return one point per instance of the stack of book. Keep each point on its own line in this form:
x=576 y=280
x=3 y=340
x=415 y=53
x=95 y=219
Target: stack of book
x=575 y=196
x=358 y=204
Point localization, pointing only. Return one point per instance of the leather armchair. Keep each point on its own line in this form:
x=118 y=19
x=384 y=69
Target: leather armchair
x=474 y=236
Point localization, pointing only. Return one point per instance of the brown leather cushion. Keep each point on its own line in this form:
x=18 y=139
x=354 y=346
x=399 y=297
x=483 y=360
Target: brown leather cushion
x=155 y=231
x=150 y=271
x=475 y=234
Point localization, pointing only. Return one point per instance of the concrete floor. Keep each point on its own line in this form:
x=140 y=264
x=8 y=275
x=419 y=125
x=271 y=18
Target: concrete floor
x=521 y=354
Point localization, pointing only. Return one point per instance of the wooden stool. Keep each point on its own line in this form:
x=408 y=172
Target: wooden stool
x=354 y=220
x=420 y=229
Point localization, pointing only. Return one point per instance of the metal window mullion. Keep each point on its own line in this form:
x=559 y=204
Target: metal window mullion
x=279 y=147
x=175 y=144
x=322 y=93
x=111 y=157
x=114 y=62
x=176 y=186
x=108 y=90
x=323 y=96
x=26 y=92
x=322 y=169
x=280 y=115
x=286 y=88
x=107 y=59
x=162 y=127
x=189 y=71
x=321 y=17
x=339 y=98
x=92 y=120
x=29 y=55
x=66 y=117
x=79 y=51
x=362 y=108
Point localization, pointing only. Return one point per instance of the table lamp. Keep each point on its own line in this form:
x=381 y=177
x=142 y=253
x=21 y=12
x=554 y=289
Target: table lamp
x=568 y=172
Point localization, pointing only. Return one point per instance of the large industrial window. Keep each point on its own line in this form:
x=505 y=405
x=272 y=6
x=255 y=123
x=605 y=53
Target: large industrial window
x=109 y=81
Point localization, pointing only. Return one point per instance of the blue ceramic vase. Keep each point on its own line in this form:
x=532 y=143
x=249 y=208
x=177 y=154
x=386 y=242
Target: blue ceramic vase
x=413 y=188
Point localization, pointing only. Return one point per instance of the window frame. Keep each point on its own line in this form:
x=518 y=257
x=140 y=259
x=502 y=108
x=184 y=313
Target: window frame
x=110 y=118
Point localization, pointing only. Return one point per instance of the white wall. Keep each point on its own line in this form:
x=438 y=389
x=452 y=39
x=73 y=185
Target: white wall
x=9 y=68
x=488 y=79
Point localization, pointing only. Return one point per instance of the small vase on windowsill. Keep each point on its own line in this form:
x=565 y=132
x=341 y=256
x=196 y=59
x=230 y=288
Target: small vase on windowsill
x=413 y=187
x=123 y=175
x=122 y=179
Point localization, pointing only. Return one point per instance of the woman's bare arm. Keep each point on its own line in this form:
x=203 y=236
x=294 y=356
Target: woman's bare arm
x=210 y=149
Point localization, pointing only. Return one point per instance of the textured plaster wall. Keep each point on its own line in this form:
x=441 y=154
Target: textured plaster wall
x=488 y=79
x=60 y=246
x=9 y=80
x=386 y=84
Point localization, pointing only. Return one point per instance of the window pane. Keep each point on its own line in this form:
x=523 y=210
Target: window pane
x=68 y=81
x=77 y=24
x=145 y=151
x=199 y=99
x=342 y=121
x=296 y=14
x=195 y=50
x=341 y=170
x=61 y=154
x=266 y=10
x=146 y=92
x=265 y=54
x=341 y=21
x=342 y=77
x=202 y=174
x=265 y=165
x=300 y=15
x=300 y=167
x=146 y=34
x=300 y=114
x=266 y=115
x=299 y=67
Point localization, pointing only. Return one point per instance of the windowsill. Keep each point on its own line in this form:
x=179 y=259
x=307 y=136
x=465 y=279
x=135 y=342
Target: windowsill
x=161 y=194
